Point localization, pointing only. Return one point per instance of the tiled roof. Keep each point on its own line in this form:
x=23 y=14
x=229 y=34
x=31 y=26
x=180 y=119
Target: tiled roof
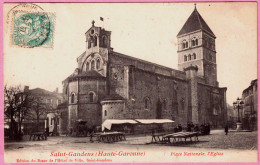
x=195 y=22
x=40 y=91
x=113 y=97
x=91 y=73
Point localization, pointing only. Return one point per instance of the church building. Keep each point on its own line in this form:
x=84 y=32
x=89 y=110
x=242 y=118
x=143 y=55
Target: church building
x=111 y=85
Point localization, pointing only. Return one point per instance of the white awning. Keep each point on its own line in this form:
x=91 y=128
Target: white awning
x=154 y=121
x=108 y=123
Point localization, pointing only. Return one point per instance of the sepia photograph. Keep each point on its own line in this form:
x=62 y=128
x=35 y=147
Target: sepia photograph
x=130 y=82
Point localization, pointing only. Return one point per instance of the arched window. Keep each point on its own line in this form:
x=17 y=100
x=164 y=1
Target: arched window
x=91 y=97
x=105 y=113
x=104 y=41
x=194 y=56
x=89 y=43
x=98 y=64
x=185 y=58
x=189 y=57
x=196 y=42
x=184 y=44
x=92 y=65
x=95 y=40
x=87 y=66
x=193 y=42
x=72 y=99
x=146 y=103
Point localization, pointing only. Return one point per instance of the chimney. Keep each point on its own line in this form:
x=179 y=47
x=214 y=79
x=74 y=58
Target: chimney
x=26 y=88
x=57 y=90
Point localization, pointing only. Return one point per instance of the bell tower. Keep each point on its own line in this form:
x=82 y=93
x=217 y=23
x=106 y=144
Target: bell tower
x=196 y=47
x=98 y=47
x=97 y=39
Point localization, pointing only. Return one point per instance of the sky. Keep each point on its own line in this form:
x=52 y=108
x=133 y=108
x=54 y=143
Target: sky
x=143 y=30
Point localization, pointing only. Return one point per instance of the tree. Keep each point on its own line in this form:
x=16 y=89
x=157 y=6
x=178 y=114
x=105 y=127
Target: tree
x=16 y=106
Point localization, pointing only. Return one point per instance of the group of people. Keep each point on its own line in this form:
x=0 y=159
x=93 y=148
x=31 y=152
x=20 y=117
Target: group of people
x=203 y=128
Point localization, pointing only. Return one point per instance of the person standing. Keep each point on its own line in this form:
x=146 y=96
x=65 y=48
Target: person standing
x=226 y=129
x=47 y=131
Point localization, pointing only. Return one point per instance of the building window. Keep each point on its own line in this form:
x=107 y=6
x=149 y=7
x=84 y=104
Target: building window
x=105 y=113
x=98 y=64
x=92 y=65
x=104 y=41
x=189 y=57
x=146 y=103
x=194 y=56
x=184 y=44
x=58 y=102
x=185 y=58
x=72 y=99
x=51 y=121
x=95 y=40
x=91 y=97
x=87 y=66
x=194 y=42
x=89 y=43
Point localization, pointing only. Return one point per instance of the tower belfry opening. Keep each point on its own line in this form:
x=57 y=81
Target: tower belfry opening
x=196 y=46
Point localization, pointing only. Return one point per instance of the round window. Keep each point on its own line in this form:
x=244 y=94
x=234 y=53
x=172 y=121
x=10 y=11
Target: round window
x=115 y=76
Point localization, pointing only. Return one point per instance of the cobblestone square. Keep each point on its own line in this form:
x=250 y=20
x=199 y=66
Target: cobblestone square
x=242 y=143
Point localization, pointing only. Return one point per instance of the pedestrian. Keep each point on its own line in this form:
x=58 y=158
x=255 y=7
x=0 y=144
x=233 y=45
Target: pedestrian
x=208 y=129
x=179 y=128
x=189 y=127
x=47 y=131
x=92 y=133
x=226 y=129
x=196 y=128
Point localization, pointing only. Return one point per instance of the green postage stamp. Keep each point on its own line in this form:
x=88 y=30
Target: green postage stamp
x=32 y=29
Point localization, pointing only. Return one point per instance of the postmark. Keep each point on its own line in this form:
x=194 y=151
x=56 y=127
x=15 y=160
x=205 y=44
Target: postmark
x=31 y=27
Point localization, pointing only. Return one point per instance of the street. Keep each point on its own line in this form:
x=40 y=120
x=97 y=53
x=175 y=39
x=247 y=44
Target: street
x=216 y=147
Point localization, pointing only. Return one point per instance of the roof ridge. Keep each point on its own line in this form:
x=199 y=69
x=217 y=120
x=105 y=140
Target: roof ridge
x=195 y=22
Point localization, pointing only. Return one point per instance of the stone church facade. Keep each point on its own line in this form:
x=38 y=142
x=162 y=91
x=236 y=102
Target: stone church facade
x=111 y=85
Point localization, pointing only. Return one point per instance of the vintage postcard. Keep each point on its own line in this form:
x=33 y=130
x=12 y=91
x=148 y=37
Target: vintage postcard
x=130 y=82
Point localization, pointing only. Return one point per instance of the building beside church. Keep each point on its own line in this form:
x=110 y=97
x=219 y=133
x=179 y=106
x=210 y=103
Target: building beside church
x=249 y=112
x=111 y=85
x=43 y=107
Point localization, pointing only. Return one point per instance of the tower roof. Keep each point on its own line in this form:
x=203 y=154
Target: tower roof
x=195 y=22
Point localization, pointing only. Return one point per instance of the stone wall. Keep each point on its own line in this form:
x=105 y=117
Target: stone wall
x=161 y=91
x=113 y=109
x=212 y=106
x=82 y=108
